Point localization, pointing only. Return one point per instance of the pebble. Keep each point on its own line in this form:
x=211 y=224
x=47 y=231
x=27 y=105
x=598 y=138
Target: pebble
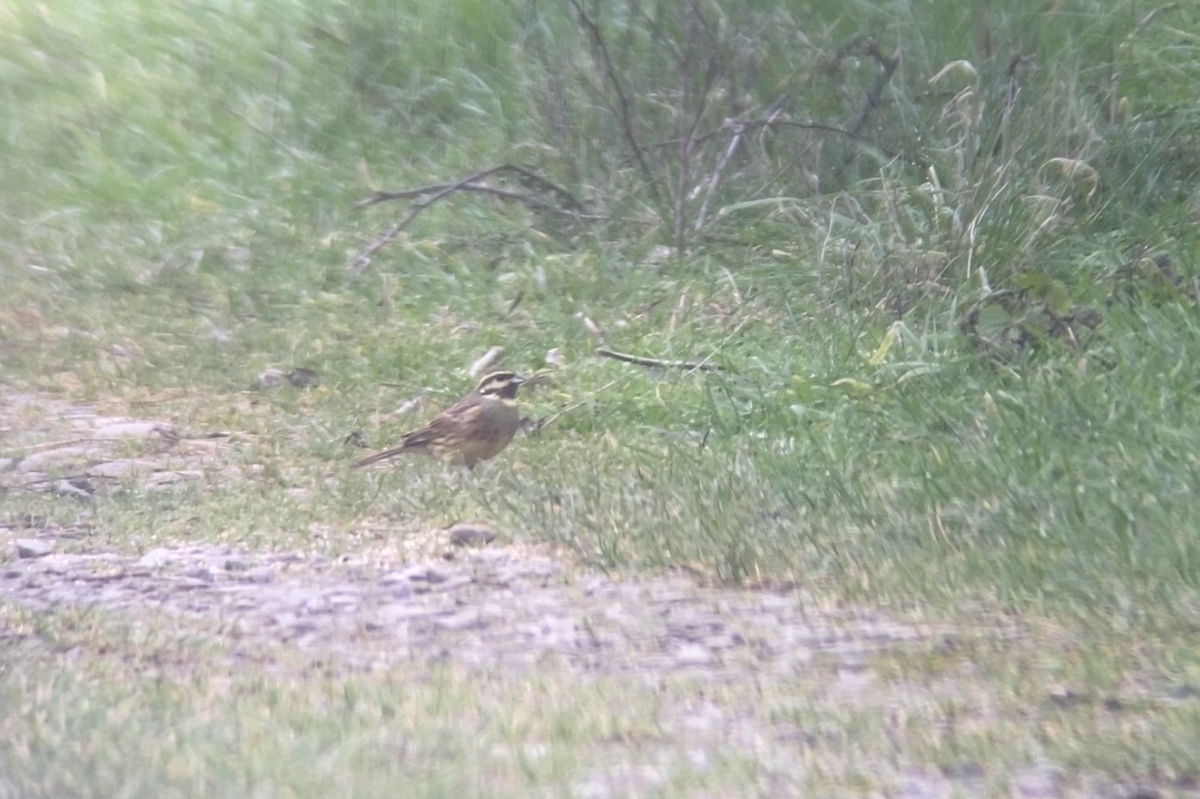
x=260 y=575
x=156 y=558
x=471 y=534
x=131 y=430
x=694 y=655
x=28 y=548
x=120 y=468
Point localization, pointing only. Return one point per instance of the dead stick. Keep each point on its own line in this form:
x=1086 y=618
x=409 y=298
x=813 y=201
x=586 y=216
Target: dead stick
x=703 y=366
x=734 y=140
x=888 y=64
x=625 y=112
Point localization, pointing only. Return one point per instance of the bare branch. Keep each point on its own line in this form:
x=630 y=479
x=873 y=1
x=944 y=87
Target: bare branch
x=428 y=195
x=527 y=178
x=694 y=25
x=702 y=366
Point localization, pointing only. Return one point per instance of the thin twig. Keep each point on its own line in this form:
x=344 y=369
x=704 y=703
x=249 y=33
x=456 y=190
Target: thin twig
x=773 y=123
x=703 y=366
x=482 y=188
x=734 y=141
x=889 y=64
x=364 y=258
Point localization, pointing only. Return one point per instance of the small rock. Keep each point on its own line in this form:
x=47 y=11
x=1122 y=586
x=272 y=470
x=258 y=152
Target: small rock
x=343 y=601
x=463 y=620
x=593 y=584
x=155 y=558
x=77 y=488
x=270 y=378
x=1065 y=697
x=163 y=479
x=317 y=604
x=434 y=576
x=964 y=770
x=485 y=361
x=303 y=378
x=202 y=574
x=408 y=406
x=694 y=655
x=419 y=573
x=259 y=575
x=471 y=534
x=129 y=430
x=33 y=548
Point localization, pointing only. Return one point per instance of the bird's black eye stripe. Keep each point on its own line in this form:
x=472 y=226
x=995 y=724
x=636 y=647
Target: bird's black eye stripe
x=503 y=383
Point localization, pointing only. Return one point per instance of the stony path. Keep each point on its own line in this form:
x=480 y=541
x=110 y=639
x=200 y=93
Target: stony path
x=491 y=607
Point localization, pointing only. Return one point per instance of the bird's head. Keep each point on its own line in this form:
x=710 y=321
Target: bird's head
x=500 y=384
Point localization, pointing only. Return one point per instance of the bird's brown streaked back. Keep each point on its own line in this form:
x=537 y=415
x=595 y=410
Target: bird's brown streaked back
x=474 y=429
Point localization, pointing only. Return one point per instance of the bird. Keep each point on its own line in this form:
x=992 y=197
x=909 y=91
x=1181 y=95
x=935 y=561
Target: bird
x=474 y=429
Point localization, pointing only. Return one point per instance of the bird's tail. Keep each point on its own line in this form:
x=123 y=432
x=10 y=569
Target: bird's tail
x=377 y=457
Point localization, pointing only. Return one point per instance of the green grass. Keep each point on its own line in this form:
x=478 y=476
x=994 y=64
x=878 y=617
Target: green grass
x=177 y=217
